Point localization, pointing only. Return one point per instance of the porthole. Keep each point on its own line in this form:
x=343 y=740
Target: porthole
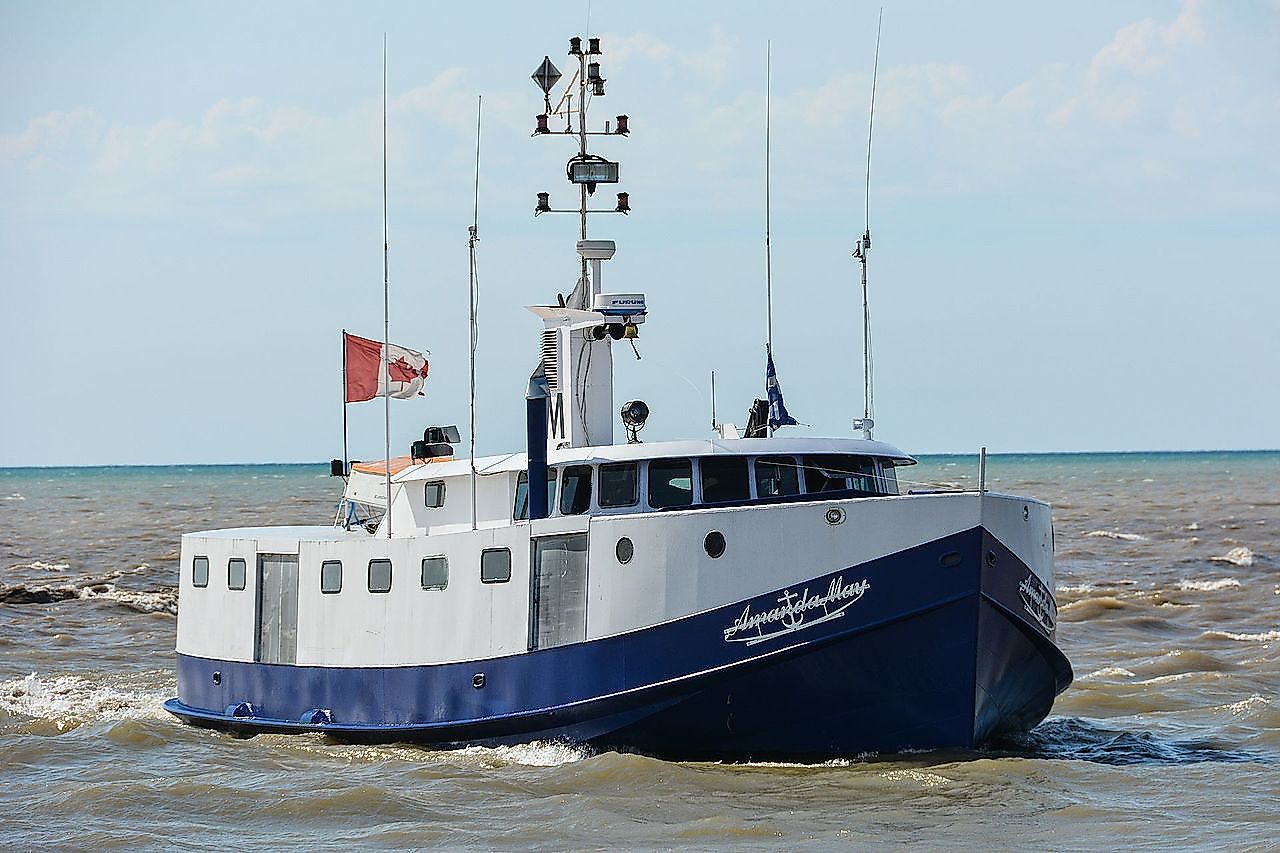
x=714 y=543
x=236 y=573
x=950 y=560
x=200 y=572
x=991 y=559
x=624 y=550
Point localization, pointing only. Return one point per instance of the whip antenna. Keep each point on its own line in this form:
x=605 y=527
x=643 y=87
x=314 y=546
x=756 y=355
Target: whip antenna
x=473 y=237
x=861 y=250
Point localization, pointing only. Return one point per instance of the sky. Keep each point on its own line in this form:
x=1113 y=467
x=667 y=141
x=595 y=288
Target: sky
x=1075 y=211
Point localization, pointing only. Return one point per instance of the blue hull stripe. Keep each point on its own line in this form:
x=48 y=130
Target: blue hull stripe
x=909 y=650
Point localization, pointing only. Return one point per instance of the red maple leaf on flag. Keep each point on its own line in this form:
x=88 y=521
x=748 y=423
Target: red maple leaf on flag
x=401 y=371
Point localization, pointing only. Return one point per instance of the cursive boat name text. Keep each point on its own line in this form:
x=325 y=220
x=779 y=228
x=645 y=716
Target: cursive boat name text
x=795 y=611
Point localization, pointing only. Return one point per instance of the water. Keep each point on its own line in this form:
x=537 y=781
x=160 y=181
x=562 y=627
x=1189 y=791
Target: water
x=1169 y=597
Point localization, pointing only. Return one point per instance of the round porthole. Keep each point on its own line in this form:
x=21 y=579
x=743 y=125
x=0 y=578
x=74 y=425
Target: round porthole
x=714 y=543
x=624 y=550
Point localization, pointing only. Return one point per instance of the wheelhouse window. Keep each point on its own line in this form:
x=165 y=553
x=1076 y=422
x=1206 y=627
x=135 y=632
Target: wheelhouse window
x=236 y=573
x=520 y=511
x=495 y=565
x=724 y=479
x=777 y=476
x=435 y=572
x=832 y=473
x=575 y=491
x=200 y=572
x=889 y=478
x=619 y=484
x=331 y=577
x=379 y=576
x=670 y=483
x=434 y=494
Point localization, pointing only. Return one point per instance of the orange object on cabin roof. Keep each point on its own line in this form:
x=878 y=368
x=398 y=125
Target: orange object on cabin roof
x=398 y=464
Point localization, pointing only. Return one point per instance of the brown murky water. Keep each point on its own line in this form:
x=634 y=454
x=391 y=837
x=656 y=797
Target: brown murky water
x=1169 y=597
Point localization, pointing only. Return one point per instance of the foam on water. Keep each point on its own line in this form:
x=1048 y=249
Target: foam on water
x=42 y=566
x=1264 y=637
x=535 y=754
x=1240 y=556
x=1113 y=534
x=1108 y=672
x=69 y=701
x=1208 y=586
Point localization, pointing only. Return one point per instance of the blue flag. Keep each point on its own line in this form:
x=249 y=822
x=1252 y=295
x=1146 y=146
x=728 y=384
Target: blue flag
x=778 y=415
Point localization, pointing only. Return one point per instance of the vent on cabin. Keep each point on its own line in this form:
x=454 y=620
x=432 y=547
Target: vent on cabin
x=550 y=359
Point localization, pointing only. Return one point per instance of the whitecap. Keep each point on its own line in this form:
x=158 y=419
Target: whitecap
x=1107 y=672
x=1240 y=556
x=15 y=497
x=68 y=700
x=920 y=777
x=535 y=754
x=41 y=565
x=1192 y=526
x=1208 y=586
x=1264 y=637
x=1112 y=534
x=158 y=601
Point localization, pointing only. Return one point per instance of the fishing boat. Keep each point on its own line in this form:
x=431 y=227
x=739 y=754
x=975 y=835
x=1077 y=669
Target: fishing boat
x=744 y=595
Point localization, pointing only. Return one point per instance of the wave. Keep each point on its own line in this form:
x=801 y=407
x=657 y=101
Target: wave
x=1074 y=738
x=1208 y=586
x=1108 y=671
x=1264 y=637
x=1240 y=556
x=143 y=601
x=69 y=701
x=535 y=754
x=41 y=565
x=1112 y=534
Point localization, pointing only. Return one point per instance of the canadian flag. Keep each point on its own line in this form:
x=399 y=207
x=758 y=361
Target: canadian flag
x=362 y=363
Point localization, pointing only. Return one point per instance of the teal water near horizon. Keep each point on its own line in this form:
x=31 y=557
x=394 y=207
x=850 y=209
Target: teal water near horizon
x=1168 y=585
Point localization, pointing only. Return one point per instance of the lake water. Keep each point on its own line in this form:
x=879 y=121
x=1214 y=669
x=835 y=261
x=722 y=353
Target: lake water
x=1169 y=609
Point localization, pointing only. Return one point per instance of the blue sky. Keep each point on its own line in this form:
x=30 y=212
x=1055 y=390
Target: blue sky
x=1076 y=214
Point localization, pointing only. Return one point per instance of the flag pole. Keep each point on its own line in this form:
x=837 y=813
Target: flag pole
x=386 y=299
x=345 y=465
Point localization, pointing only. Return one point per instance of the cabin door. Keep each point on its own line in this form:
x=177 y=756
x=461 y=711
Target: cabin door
x=276 y=639
x=559 y=594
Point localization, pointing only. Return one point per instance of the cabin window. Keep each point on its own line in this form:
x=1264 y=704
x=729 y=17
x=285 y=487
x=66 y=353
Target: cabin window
x=435 y=572
x=724 y=479
x=379 y=576
x=200 y=571
x=889 y=478
x=236 y=573
x=520 y=511
x=495 y=565
x=825 y=474
x=620 y=484
x=434 y=493
x=862 y=475
x=670 y=483
x=331 y=577
x=776 y=476
x=575 y=491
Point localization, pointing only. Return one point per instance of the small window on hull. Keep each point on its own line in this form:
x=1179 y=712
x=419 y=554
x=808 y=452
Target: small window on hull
x=379 y=576
x=331 y=577
x=200 y=572
x=495 y=565
x=435 y=572
x=434 y=494
x=236 y=573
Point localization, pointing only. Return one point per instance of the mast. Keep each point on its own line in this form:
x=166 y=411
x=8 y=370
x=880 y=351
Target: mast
x=768 y=252
x=473 y=238
x=386 y=294
x=861 y=251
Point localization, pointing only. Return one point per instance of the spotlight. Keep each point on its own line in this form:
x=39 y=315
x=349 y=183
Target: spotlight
x=634 y=415
x=544 y=204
